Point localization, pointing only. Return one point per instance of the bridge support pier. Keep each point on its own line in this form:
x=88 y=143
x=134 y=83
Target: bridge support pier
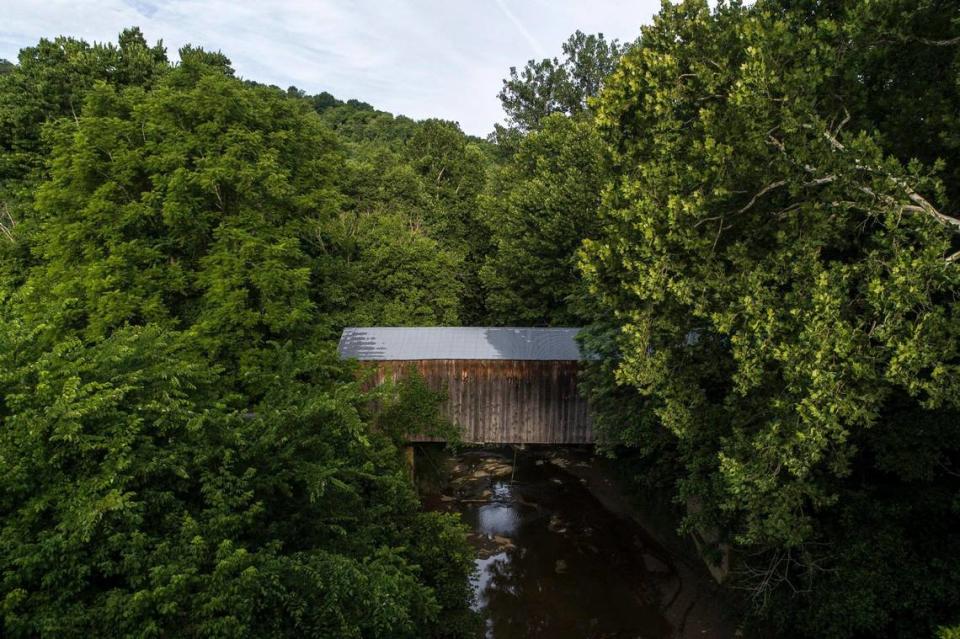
x=409 y=456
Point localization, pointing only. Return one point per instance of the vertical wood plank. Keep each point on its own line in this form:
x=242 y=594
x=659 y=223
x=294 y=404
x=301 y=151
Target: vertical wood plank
x=502 y=401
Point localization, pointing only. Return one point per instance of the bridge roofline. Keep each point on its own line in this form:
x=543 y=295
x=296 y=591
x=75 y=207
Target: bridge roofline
x=394 y=343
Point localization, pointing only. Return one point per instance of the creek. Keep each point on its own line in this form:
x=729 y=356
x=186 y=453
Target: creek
x=555 y=559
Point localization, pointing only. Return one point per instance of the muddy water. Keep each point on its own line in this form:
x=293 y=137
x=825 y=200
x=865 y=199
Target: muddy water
x=552 y=561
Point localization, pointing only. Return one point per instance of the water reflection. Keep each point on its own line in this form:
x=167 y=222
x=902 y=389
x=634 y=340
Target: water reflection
x=498 y=519
x=481 y=581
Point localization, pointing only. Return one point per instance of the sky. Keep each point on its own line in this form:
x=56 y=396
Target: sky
x=420 y=58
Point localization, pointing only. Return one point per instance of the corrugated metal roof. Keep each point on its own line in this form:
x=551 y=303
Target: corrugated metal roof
x=395 y=343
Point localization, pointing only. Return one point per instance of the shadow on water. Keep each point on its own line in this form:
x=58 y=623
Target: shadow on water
x=552 y=561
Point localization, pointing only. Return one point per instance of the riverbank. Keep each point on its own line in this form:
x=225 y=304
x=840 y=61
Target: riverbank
x=696 y=607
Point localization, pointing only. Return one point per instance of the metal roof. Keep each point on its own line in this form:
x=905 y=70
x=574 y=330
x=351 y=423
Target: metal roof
x=394 y=343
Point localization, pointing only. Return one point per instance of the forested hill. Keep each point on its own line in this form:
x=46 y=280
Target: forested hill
x=752 y=209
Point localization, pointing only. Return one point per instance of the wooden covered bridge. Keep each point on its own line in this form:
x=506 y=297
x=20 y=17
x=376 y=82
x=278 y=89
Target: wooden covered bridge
x=504 y=385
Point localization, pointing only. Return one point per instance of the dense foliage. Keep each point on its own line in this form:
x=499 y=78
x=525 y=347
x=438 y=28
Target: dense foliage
x=541 y=205
x=409 y=228
x=548 y=86
x=752 y=209
x=766 y=200
x=181 y=451
x=775 y=296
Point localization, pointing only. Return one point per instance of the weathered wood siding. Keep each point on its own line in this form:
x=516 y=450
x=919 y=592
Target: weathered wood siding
x=505 y=401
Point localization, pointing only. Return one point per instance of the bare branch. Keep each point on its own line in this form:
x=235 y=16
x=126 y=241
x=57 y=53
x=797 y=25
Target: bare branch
x=7 y=223
x=846 y=118
x=834 y=142
x=717 y=238
x=939 y=43
x=821 y=180
x=922 y=205
x=925 y=206
x=792 y=568
x=712 y=218
x=761 y=193
x=947 y=470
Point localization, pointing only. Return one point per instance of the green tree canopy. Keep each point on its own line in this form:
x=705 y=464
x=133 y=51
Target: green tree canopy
x=540 y=207
x=50 y=82
x=189 y=205
x=387 y=271
x=775 y=288
x=563 y=86
x=137 y=503
x=182 y=453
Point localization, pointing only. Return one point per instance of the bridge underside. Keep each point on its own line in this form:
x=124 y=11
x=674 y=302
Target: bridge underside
x=505 y=401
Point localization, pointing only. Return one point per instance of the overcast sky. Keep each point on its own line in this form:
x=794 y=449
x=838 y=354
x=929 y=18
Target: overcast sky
x=421 y=58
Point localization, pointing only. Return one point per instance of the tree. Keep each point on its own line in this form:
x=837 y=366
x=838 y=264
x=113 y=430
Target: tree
x=189 y=205
x=554 y=86
x=900 y=82
x=426 y=176
x=387 y=271
x=50 y=82
x=52 y=78
x=540 y=208
x=182 y=452
x=775 y=289
x=452 y=168
x=137 y=501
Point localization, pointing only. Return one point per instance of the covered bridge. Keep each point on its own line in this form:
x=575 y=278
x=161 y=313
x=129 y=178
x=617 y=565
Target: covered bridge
x=505 y=385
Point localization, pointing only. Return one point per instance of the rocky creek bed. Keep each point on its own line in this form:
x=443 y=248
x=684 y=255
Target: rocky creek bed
x=561 y=553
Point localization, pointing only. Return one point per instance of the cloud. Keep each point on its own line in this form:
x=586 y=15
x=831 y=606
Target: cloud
x=537 y=47
x=421 y=58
